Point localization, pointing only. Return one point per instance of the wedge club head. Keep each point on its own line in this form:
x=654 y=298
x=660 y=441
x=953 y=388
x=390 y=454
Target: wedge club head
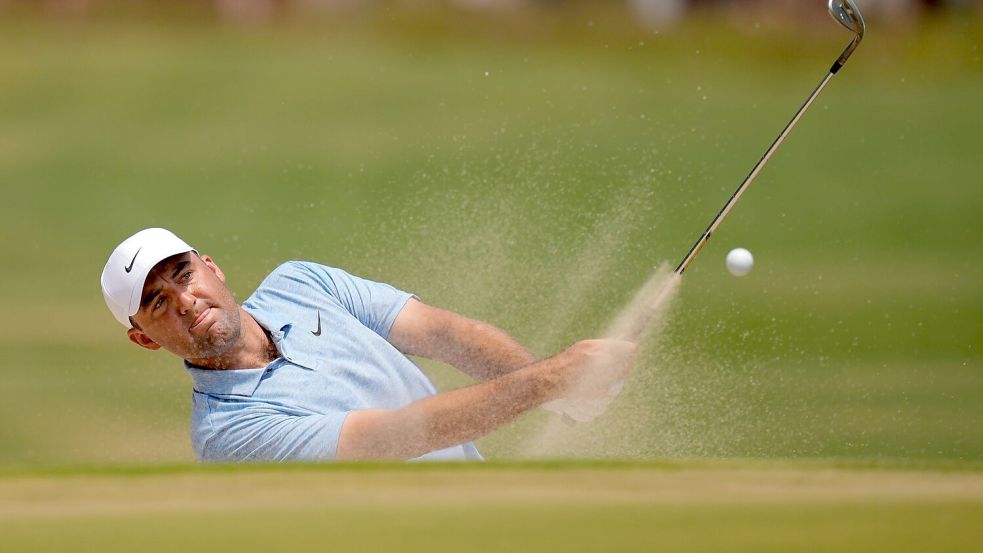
x=848 y=15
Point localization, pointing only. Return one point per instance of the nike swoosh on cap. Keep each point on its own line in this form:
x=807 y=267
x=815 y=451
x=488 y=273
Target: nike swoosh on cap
x=130 y=267
x=318 y=331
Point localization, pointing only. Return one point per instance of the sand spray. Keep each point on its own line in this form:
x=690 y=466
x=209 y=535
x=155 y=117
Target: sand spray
x=471 y=253
x=639 y=321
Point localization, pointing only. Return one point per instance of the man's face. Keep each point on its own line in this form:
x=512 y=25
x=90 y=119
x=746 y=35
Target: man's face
x=187 y=309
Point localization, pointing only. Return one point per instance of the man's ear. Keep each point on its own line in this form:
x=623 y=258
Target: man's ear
x=141 y=339
x=210 y=263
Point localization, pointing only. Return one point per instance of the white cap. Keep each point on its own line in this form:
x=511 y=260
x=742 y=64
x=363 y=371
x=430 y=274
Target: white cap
x=128 y=267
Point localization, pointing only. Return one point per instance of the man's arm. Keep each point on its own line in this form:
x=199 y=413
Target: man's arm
x=463 y=415
x=479 y=349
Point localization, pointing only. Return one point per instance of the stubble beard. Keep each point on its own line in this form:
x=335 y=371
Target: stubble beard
x=221 y=337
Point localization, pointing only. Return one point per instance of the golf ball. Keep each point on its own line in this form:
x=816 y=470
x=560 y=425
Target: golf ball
x=739 y=262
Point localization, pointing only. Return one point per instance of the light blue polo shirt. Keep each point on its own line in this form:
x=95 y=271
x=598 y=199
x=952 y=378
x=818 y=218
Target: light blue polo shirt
x=330 y=328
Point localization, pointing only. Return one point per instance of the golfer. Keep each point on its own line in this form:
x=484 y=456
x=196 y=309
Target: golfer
x=312 y=366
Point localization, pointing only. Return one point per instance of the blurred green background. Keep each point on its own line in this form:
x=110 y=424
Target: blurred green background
x=531 y=172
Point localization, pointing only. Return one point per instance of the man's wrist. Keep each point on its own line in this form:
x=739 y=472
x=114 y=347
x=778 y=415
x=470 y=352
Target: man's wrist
x=546 y=377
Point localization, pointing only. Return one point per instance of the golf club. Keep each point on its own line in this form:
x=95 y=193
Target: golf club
x=847 y=13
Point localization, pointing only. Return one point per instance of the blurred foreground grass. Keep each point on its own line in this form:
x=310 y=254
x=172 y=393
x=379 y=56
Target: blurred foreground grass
x=685 y=506
x=533 y=181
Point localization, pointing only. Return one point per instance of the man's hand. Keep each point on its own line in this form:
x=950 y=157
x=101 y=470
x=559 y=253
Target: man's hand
x=604 y=369
x=587 y=369
x=599 y=367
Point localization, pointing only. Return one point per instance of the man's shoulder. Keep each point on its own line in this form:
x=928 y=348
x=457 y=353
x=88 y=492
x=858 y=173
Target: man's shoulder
x=293 y=271
x=283 y=281
x=295 y=266
x=294 y=282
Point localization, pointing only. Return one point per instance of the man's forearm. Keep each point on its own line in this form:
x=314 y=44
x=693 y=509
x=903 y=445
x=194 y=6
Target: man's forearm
x=481 y=350
x=451 y=418
x=478 y=349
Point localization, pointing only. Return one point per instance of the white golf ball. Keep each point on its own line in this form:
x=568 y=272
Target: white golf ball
x=739 y=262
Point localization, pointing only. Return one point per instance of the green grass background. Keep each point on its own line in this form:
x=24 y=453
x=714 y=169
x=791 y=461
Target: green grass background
x=532 y=176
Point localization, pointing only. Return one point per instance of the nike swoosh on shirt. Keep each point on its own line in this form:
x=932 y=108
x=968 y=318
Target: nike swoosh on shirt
x=318 y=331
x=130 y=267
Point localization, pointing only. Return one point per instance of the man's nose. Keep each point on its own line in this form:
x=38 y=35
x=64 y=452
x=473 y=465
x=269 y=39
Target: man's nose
x=185 y=301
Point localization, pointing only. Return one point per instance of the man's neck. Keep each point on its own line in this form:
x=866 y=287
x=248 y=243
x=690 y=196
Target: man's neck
x=254 y=349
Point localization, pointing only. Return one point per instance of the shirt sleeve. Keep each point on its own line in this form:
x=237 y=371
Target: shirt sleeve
x=374 y=304
x=276 y=437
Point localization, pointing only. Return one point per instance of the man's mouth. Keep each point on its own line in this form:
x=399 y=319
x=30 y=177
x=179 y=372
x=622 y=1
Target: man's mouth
x=201 y=318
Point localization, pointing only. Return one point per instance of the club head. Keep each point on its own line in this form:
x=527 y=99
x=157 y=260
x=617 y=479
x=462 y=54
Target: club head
x=848 y=14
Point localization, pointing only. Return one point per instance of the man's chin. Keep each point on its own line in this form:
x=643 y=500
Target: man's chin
x=217 y=340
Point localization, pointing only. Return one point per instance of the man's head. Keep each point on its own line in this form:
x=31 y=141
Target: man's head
x=168 y=296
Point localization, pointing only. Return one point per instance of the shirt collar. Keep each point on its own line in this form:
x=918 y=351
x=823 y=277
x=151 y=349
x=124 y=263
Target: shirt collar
x=291 y=347
x=273 y=322
x=235 y=382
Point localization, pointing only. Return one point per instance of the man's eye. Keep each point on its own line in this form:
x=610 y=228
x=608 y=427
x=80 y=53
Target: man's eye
x=186 y=276
x=158 y=303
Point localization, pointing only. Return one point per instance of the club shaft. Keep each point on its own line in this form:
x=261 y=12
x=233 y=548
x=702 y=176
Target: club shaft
x=747 y=180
